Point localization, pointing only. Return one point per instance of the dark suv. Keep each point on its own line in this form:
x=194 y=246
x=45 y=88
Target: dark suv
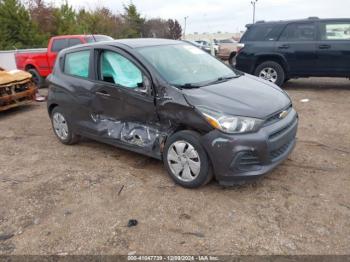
x=278 y=51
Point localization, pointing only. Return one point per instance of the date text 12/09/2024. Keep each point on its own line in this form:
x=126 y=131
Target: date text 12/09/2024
x=172 y=258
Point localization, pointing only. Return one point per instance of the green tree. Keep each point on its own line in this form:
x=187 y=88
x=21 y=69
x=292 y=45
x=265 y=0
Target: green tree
x=16 y=27
x=133 y=22
x=42 y=14
x=65 y=20
x=175 y=29
x=32 y=24
x=156 y=27
x=100 y=21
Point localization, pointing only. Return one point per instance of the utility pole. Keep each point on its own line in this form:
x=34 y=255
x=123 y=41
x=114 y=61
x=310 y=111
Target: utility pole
x=253 y=2
x=185 y=27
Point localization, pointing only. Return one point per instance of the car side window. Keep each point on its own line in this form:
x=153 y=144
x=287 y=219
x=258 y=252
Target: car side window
x=263 y=32
x=59 y=44
x=77 y=63
x=299 y=32
x=116 y=69
x=335 y=31
x=74 y=41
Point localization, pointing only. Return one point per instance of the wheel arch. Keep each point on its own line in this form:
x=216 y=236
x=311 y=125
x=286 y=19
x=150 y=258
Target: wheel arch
x=51 y=107
x=178 y=128
x=272 y=57
x=30 y=66
x=233 y=54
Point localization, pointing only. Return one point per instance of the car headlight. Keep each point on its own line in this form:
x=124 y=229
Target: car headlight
x=230 y=124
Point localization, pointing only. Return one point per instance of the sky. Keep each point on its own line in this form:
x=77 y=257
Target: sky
x=225 y=15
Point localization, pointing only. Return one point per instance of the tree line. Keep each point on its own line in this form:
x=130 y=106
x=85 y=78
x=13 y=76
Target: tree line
x=30 y=24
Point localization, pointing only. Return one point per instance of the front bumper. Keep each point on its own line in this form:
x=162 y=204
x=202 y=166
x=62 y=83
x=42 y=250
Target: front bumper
x=16 y=94
x=238 y=158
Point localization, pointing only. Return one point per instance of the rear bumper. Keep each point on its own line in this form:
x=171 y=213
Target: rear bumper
x=238 y=158
x=223 y=57
x=245 y=63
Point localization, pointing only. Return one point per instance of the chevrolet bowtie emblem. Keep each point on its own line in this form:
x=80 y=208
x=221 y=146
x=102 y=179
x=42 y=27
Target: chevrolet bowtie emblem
x=283 y=114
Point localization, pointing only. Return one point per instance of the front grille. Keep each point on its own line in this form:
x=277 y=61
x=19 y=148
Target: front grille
x=248 y=160
x=280 y=151
x=282 y=130
x=22 y=87
x=276 y=117
x=14 y=93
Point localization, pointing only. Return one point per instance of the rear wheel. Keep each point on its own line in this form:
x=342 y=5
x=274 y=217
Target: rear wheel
x=232 y=60
x=271 y=71
x=186 y=160
x=37 y=78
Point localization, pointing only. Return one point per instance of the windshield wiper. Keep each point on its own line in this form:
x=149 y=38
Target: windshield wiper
x=222 y=79
x=201 y=84
x=188 y=86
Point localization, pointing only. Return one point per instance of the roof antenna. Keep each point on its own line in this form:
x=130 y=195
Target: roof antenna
x=93 y=36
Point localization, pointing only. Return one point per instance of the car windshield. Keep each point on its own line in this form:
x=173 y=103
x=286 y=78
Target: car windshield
x=186 y=65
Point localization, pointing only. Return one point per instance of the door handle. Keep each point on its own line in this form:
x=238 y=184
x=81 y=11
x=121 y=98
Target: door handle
x=283 y=47
x=324 y=46
x=103 y=93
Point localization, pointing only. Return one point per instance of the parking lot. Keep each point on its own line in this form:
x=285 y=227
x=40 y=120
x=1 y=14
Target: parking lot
x=57 y=199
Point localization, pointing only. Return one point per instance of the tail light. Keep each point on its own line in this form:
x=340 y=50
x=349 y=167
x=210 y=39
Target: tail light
x=240 y=46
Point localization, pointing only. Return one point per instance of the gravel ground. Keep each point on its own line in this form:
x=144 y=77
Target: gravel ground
x=57 y=199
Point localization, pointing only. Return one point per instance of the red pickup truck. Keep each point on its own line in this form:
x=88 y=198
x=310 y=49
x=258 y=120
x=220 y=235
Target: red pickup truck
x=40 y=62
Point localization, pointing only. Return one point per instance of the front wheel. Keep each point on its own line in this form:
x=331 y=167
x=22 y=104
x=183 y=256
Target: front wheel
x=186 y=160
x=271 y=71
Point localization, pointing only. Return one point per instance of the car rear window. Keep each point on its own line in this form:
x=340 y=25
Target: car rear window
x=77 y=63
x=59 y=44
x=263 y=32
x=74 y=41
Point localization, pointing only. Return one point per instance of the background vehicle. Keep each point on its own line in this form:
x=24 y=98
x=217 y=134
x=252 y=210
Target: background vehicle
x=206 y=46
x=278 y=51
x=199 y=45
x=40 y=64
x=16 y=88
x=227 y=50
x=176 y=103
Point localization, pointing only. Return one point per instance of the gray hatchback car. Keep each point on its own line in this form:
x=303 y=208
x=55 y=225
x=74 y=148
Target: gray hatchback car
x=174 y=102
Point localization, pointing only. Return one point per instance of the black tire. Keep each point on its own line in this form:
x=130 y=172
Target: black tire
x=71 y=137
x=232 y=60
x=275 y=66
x=37 y=78
x=205 y=173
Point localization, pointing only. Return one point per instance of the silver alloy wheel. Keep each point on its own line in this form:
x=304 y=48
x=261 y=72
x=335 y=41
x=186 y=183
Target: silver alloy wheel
x=269 y=74
x=60 y=125
x=184 y=161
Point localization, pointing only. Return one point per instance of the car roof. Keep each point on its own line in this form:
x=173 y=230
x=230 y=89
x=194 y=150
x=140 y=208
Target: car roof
x=131 y=43
x=143 y=42
x=68 y=36
x=310 y=19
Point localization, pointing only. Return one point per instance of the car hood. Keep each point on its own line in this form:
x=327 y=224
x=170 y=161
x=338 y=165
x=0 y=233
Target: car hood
x=243 y=96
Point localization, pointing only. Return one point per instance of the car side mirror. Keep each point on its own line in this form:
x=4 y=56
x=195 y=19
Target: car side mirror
x=145 y=87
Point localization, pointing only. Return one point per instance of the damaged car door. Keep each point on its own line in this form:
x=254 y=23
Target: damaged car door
x=123 y=108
